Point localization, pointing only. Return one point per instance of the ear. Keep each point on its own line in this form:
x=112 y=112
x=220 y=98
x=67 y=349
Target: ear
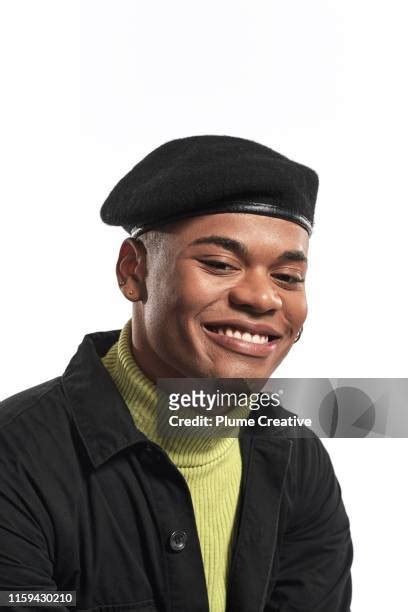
x=131 y=270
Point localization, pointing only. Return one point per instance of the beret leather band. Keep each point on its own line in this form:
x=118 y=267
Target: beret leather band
x=257 y=208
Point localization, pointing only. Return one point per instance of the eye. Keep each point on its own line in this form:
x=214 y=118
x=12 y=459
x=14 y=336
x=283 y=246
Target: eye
x=217 y=265
x=289 y=279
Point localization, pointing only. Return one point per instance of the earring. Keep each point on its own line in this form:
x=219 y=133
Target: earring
x=121 y=283
x=298 y=335
x=130 y=292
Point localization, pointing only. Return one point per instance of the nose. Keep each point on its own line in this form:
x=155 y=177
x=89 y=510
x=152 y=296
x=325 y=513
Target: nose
x=256 y=292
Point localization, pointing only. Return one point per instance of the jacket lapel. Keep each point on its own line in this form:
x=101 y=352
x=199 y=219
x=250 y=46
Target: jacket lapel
x=265 y=464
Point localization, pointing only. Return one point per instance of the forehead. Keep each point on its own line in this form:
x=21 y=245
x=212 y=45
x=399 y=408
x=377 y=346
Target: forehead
x=255 y=231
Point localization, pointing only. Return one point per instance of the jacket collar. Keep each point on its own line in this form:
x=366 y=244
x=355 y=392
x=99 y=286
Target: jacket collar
x=100 y=414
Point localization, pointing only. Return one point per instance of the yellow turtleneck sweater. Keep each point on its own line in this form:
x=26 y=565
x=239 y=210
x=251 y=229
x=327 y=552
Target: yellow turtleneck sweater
x=211 y=467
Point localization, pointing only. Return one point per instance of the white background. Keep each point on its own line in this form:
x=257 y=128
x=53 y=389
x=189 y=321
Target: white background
x=89 y=88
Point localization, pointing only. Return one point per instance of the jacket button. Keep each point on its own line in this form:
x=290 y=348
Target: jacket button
x=177 y=540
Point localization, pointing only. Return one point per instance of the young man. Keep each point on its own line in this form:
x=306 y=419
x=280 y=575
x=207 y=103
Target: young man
x=94 y=499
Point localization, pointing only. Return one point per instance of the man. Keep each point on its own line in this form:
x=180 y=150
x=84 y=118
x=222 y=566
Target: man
x=94 y=498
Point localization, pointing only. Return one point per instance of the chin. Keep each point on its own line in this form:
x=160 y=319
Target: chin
x=240 y=371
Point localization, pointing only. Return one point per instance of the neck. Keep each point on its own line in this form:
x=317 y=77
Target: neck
x=151 y=365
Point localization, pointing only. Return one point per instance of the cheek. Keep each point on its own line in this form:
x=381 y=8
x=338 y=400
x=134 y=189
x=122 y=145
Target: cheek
x=177 y=298
x=161 y=292
x=193 y=289
x=296 y=309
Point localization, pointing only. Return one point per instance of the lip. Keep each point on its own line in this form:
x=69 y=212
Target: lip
x=242 y=346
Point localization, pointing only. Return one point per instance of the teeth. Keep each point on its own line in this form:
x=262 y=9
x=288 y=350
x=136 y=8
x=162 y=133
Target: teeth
x=246 y=336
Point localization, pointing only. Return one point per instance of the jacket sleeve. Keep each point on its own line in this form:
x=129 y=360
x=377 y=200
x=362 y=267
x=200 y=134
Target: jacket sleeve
x=25 y=532
x=315 y=551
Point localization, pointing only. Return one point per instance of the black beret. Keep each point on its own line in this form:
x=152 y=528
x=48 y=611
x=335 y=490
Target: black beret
x=207 y=175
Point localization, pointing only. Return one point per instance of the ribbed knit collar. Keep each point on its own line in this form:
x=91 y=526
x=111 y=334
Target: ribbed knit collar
x=148 y=407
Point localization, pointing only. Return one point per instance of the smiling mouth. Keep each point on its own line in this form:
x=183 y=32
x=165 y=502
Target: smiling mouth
x=235 y=332
x=240 y=340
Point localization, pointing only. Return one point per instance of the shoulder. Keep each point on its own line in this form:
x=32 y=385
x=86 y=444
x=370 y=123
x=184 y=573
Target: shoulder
x=34 y=419
x=312 y=487
x=310 y=461
x=17 y=405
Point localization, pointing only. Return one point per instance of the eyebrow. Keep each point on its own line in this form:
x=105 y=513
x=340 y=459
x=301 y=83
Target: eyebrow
x=240 y=249
x=293 y=256
x=226 y=243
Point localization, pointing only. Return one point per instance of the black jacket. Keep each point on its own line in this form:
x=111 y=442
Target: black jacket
x=88 y=503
